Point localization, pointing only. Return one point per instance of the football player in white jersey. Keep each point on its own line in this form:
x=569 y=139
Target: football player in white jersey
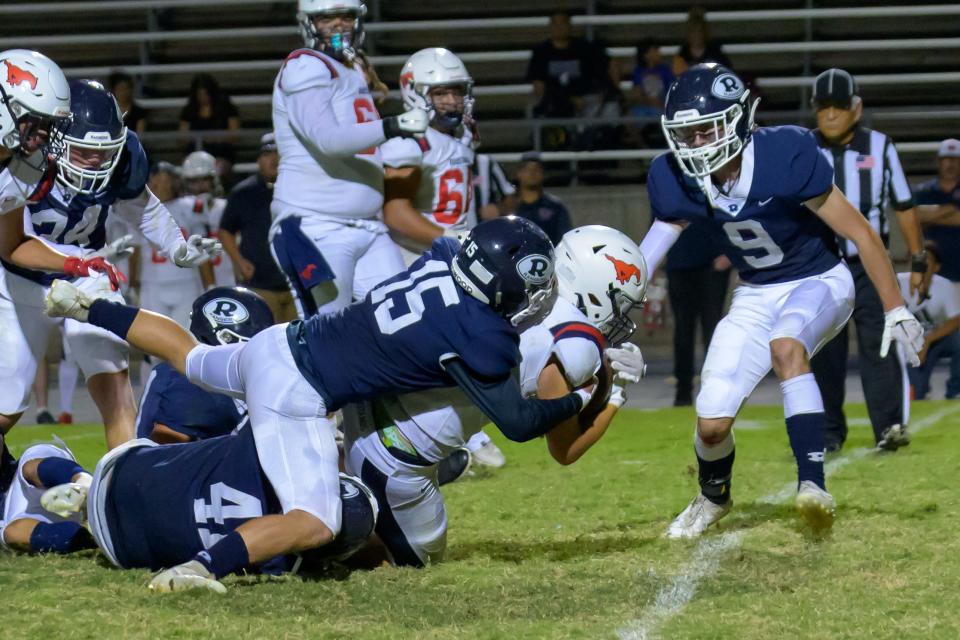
x=34 y=113
x=428 y=182
x=396 y=443
x=203 y=197
x=165 y=287
x=327 y=234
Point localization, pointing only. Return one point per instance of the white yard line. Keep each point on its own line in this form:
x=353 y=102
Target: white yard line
x=672 y=598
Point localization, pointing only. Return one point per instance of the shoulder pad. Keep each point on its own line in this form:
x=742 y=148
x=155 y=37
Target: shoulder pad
x=306 y=69
x=579 y=348
x=131 y=176
x=401 y=152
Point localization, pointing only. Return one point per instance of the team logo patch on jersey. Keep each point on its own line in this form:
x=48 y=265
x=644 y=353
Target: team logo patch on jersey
x=727 y=87
x=226 y=311
x=535 y=269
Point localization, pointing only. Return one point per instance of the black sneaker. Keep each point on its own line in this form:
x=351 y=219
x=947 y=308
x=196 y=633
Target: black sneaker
x=45 y=417
x=453 y=467
x=893 y=438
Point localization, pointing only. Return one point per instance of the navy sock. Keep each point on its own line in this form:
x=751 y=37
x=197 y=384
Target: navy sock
x=715 y=468
x=57 y=471
x=806 y=423
x=806 y=439
x=115 y=317
x=60 y=537
x=227 y=556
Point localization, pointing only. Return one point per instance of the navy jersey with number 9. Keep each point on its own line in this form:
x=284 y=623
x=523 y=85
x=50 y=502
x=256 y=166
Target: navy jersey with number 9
x=394 y=340
x=763 y=225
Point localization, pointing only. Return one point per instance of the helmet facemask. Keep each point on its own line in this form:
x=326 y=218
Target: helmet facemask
x=540 y=301
x=81 y=179
x=342 y=45
x=48 y=130
x=618 y=327
x=446 y=121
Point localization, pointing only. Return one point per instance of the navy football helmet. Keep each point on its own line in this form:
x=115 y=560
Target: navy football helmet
x=227 y=315
x=508 y=264
x=94 y=140
x=359 y=510
x=710 y=102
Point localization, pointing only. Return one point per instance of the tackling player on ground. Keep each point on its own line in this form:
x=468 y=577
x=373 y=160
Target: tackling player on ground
x=768 y=194
x=451 y=319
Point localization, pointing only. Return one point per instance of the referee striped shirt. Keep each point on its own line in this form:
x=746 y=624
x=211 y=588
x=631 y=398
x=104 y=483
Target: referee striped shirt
x=490 y=183
x=869 y=173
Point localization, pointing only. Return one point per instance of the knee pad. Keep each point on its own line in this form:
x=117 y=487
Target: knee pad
x=719 y=397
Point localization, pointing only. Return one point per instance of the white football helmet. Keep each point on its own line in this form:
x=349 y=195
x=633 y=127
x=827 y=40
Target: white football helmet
x=341 y=46
x=435 y=67
x=35 y=97
x=197 y=166
x=602 y=272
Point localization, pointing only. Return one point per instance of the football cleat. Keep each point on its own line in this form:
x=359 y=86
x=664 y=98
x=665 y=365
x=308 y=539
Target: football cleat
x=454 y=466
x=45 y=417
x=69 y=498
x=816 y=506
x=186 y=576
x=65 y=300
x=699 y=514
x=489 y=455
x=894 y=437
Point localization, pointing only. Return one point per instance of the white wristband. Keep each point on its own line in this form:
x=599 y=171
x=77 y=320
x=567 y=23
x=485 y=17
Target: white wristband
x=584 y=397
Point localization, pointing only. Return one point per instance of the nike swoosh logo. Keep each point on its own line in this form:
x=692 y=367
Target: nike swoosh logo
x=763 y=203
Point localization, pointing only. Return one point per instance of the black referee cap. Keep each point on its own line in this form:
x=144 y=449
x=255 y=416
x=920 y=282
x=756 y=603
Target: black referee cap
x=834 y=88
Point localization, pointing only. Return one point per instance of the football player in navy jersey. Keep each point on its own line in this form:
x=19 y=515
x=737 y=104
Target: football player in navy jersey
x=102 y=171
x=173 y=409
x=769 y=197
x=451 y=319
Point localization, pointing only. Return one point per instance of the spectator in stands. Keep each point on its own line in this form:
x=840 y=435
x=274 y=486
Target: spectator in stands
x=122 y=86
x=938 y=206
x=536 y=205
x=698 y=275
x=572 y=77
x=697 y=45
x=247 y=215
x=939 y=312
x=209 y=108
x=651 y=79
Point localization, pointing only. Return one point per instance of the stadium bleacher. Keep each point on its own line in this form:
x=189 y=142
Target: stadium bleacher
x=904 y=55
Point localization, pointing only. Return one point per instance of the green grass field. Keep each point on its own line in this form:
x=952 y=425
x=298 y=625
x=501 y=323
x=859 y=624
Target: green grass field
x=541 y=551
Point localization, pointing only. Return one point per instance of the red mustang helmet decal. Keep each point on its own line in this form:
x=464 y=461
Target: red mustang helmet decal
x=625 y=270
x=17 y=76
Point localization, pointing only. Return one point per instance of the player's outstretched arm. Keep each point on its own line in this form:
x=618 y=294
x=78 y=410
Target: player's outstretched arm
x=661 y=236
x=150 y=332
x=834 y=209
x=519 y=419
x=899 y=324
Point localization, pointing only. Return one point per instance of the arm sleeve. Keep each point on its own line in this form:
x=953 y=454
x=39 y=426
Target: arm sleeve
x=518 y=418
x=654 y=246
x=147 y=213
x=898 y=187
x=316 y=125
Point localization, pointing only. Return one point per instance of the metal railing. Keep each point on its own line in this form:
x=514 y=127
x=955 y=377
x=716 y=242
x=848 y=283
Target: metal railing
x=424 y=25
x=914 y=44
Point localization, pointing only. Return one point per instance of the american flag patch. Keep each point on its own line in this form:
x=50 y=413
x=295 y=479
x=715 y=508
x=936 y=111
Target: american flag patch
x=865 y=162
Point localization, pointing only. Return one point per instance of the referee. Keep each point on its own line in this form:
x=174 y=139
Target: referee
x=867 y=169
x=493 y=194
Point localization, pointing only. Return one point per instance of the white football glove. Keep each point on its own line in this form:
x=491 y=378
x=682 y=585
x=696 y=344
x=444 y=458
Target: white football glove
x=409 y=124
x=116 y=250
x=628 y=362
x=189 y=575
x=900 y=325
x=618 y=396
x=195 y=251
